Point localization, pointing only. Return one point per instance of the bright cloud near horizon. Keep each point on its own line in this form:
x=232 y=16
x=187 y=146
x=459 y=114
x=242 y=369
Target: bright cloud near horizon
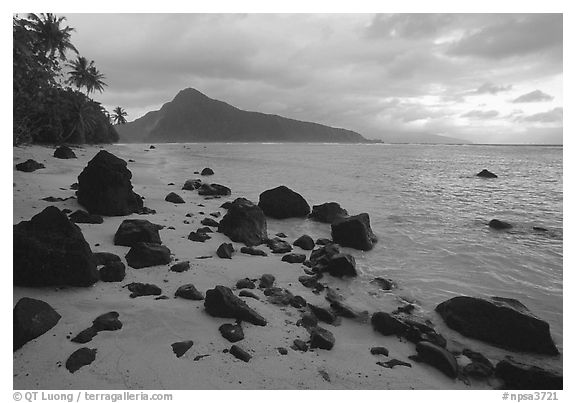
x=487 y=78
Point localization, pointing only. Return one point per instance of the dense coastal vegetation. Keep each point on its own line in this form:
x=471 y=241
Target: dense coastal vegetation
x=49 y=103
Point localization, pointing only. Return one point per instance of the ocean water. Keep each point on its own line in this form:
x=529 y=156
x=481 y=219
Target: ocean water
x=427 y=207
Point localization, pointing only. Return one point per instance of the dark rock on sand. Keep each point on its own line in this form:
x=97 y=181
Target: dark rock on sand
x=282 y=202
x=327 y=212
x=281 y=235
x=393 y=363
x=225 y=251
x=480 y=367
x=323 y=314
x=323 y=255
x=486 y=174
x=222 y=303
x=103 y=258
x=107 y=322
x=248 y=294
x=497 y=224
x=502 y=321
x=133 y=231
x=85 y=336
x=192 y=184
x=321 y=338
x=305 y=242
x=213 y=189
x=267 y=281
x=308 y=320
x=141 y=289
x=31 y=318
x=418 y=331
x=385 y=284
x=240 y=353
x=324 y=241
x=379 y=351
x=105 y=187
x=299 y=345
x=438 y=357
x=181 y=347
x=144 y=254
x=174 y=198
x=298 y=302
x=245 y=222
x=527 y=377
x=279 y=296
x=344 y=310
x=387 y=324
x=232 y=332
x=278 y=246
x=180 y=267
x=80 y=358
x=245 y=283
x=294 y=258
x=308 y=281
x=112 y=272
x=64 y=152
x=354 y=232
x=51 y=250
x=82 y=217
x=188 y=291
x=206 y=172
x=198 y=236
x=29 y=166
x=282 y=351
x=209 y=222
x=342 y=265
x=249 y=250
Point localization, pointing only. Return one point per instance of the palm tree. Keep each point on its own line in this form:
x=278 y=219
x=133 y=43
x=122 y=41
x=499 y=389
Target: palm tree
x=119 y=115
x=52 y=38
x=84 y=74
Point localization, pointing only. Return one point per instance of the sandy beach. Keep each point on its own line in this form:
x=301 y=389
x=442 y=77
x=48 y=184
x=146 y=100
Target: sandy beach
x=139 y=356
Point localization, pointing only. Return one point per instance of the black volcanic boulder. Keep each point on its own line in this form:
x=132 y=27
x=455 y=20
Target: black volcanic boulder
x=51 y=250
x=501 y=321
x=213 y=189
x=277 y=245
x=305 y=242
x=321 y=338
x=79 y=358
x=327 y=212
x=143 y=254
x=438 y=357
x=31 y=319
x=113 y=272
x=180 y=267
x=142 y=289
x=497 y=224
x=282 y=202
x=341 y=265
x=206 y=172
x=388 y=325
x=486 y=174
x=133 y=231
x=105 y=187
x=192 y=184
x=354 y=232
x=222 y=303
x=232 y=332
x=527 y=377
x=188 y=291
x=225 y=251
x=174 y=198
x=294 y=258
x=103 y=258
x=244 y=222
x=82 y=217
x=29 y=166
x=64 y=152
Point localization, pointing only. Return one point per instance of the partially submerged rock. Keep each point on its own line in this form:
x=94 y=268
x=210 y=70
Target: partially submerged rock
x=486 y=174
x=502 y=321
x=51 y=250
x=354 y=232
x=244 y=222
x=327 y=212
x=144 y=254
x=221 y=302
x=341 y=265
x=527 y=377
x=213 y=189
x=133 y=231
x=497 y=224
x=192 y=184
x=282 y=202
x=105 y=187
x=31 y=318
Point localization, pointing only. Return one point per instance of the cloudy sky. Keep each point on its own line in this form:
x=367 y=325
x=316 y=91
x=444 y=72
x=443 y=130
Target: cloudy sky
x=493 y=78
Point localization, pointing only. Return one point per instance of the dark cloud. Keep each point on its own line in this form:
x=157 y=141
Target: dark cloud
x=409 y=26
x=516 y=36
x=493 y=89
x=478 y=114
x=555 y=115
x=534 y=96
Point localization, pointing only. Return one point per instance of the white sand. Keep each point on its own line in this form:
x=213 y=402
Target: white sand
x=139 y=356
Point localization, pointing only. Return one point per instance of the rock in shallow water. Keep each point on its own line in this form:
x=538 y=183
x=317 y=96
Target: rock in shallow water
x=438 y=357
x=244 y=222
x=354 y=232
x=486 y=174
x=527 y=377
x=282 y=202
x=327 y=212
x=31 y=318
x=51 y=250
x=497 y=224
x=502 y=321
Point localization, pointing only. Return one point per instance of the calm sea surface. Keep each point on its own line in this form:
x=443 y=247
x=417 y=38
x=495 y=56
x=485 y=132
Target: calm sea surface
x=427 y=207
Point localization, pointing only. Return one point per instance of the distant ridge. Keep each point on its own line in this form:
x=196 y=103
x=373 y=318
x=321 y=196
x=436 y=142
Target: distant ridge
x=193 y=117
